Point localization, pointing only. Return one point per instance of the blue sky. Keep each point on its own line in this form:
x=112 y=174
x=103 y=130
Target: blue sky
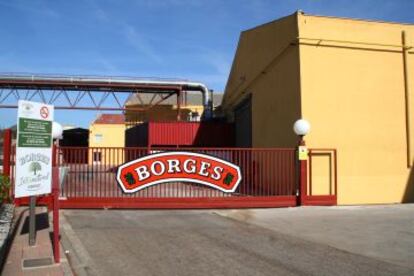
x=193 y=40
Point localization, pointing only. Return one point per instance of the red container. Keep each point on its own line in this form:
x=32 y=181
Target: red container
x=196 y=134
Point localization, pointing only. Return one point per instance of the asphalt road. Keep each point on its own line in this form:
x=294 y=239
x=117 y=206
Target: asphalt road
x=134 y=242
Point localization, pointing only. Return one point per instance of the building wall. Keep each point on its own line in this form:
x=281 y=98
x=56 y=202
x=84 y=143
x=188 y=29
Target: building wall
x=266 y=66
x=161 y=112
x=354 y=97
x=112 y=135
x=352 y=92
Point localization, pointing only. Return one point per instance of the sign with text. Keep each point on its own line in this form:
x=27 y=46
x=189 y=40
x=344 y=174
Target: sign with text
x=179 y=167
x=34 y=149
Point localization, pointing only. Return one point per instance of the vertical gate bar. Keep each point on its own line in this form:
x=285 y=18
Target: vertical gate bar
x=310 y=172
x=95 y=185
x=63 y=164
x=263 y=172
x=96 y=167
x=258 y=166
x=81 y=173
x=110 y=158
x=106 y=165
x=75 y=173
x=101 y=171
x=247 y=169
x=7 y=141
x=336 y=172
x=268 y=175
x=248 y=154
x=292 y=166
x=293 y=172
x=12 y=168
x=253 y=169
x=109 y=167
x=284 y=177
x=70 y=173
x=237 y=155
x=282 y=183
x=262 y=188
x=120 y=160
x=330 y=172
x=74 y=190
x=273 y=168
x=89 y=166
x=276 y=173
x=100 y=156
x=279 y=172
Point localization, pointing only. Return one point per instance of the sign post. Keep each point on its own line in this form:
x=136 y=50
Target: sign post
x=33 y=155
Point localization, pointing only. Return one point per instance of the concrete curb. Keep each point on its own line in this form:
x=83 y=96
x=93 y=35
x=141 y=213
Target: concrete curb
x=8 y=222
x=78 y=257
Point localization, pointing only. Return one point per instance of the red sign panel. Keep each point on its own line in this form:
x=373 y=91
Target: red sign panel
x=178 y=167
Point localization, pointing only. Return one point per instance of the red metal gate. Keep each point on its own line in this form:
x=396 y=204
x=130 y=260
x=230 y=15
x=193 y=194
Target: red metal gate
x=270 y=178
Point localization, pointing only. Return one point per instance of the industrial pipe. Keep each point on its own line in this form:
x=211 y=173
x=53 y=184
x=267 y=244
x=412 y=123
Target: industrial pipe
x=185 y=85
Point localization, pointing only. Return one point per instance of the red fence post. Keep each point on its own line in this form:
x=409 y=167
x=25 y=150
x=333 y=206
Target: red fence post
x=7 y=141
x=302 y=155
x=55 y=194
x=303 y=179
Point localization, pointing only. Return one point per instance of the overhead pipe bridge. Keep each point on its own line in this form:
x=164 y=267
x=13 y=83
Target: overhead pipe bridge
x=93 y=93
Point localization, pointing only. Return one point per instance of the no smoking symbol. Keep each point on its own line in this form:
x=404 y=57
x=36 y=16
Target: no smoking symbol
x=44 y=112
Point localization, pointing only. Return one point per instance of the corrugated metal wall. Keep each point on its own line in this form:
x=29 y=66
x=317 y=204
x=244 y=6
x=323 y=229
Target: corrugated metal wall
x=198 y=134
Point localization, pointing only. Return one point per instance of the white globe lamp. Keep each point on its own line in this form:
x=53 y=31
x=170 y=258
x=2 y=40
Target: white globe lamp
x=57 y=130
x=301 y=127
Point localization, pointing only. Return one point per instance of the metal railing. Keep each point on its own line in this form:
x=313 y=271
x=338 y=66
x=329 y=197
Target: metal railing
x=91 y=173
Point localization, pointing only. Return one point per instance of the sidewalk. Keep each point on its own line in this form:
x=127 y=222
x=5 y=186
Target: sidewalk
x=382 y=232
x=33 y=260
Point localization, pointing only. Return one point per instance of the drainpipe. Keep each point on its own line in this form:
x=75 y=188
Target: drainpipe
x=407 y=100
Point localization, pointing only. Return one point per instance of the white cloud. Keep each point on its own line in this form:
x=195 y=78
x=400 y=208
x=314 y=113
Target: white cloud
x=140 y=44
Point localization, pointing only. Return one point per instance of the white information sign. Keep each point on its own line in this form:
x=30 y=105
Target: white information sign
x=34 y=149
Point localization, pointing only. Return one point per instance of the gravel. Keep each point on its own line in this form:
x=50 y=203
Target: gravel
x=6 y=217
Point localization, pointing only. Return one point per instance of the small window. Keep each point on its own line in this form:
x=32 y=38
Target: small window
x=97 y=156
x=98 y=138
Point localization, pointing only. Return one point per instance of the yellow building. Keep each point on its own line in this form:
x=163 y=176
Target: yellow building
x=106 y=132
x=191 y=107
x=351 y=79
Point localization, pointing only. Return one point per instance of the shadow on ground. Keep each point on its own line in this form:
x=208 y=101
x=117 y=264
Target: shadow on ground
x=42 y=222
x=409 y=189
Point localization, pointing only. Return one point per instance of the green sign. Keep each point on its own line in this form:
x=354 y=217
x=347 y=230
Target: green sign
x=34 y=133
x=36 y=126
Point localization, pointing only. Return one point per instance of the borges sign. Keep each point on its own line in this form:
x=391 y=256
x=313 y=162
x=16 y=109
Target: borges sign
x=178 y=167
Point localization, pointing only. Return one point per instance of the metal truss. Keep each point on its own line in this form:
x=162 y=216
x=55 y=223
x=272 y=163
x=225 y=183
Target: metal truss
x=82 y=99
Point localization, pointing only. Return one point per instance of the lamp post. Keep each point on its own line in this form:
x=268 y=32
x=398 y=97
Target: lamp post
x=301 y=128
